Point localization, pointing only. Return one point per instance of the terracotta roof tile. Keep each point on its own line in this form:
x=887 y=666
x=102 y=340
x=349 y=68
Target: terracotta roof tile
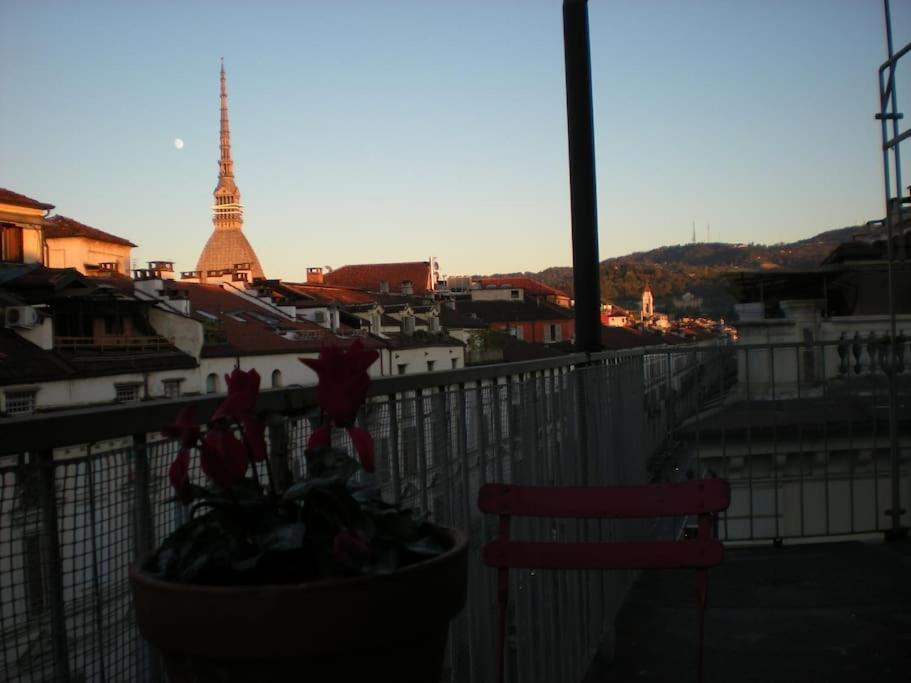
x=331 y=293
x=244 y=327
x=16 y=199
x=61 y=226
x=369 y=276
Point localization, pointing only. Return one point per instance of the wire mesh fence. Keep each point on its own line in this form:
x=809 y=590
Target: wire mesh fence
x=72 y=520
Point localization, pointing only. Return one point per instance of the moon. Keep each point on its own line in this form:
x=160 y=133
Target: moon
x=178 y=143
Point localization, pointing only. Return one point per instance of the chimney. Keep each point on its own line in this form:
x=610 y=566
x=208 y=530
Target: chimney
x=407 y=322
x=314 y=276
x=407 y=287
x=376 y=320
x=384 y=287
x=435 y=327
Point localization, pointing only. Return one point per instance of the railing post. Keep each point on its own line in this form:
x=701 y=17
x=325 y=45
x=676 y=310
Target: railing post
x=278 y=452
x=145 y=531
x=52 y=564
x=148 y=664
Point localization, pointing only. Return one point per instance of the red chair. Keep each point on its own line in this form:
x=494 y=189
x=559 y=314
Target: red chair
x=701 y=497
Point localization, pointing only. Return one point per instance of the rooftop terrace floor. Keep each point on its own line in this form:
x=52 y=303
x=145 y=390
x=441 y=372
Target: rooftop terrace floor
x=818 y=612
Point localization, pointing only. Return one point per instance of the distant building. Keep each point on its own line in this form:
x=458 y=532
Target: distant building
x=93 y=252
x=410 y=277
x=530 y=321
x=648 y=304
x=530 y=288
x=227 y=246
x=615 y=316
x=21 y=227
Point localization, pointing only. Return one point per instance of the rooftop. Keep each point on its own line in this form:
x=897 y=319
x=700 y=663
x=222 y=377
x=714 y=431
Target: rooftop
x=61 y=226
x=369 y=276
x=16 y=199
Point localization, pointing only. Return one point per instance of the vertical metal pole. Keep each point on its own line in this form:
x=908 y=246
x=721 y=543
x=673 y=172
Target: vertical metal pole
x=896 y=530
x=583 y=200
x=96 y=580
x=278 y=452
x=396 y=478
x=143 y=543
x=52 y=563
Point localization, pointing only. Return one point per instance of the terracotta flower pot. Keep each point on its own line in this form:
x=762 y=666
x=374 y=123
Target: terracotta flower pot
x=390 y=627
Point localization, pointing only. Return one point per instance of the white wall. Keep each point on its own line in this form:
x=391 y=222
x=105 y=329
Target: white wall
x=187 y=334
x=416 y=359
x=75 y=252
x=498 y=294
x=91 y=390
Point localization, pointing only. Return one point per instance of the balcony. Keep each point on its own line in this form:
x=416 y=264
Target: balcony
x=84 y=492
x=113 y=344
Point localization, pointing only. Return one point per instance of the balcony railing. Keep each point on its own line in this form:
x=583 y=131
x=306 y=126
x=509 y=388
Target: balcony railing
x=84 y=492
x=801 y=431
x=117 y=343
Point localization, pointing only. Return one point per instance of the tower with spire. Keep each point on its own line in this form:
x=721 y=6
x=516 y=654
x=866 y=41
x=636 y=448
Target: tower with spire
x=227 y=246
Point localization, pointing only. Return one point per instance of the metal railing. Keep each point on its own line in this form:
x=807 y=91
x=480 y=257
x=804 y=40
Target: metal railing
x=112 y=343
x=801 y=435
x=83 y=493
x=801 y=431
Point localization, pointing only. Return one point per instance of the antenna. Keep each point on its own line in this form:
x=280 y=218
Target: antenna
x=708 y=232
x=694 y=232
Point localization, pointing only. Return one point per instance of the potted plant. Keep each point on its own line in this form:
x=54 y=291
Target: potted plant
x=321 y=581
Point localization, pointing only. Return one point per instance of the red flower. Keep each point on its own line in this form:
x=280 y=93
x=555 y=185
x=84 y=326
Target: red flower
x=343 y=380
x=185 y=428
x=243 y=388
x=223 y=457
x=255 y=437
x=363 y=444
x=179 y=475
x=321 y=437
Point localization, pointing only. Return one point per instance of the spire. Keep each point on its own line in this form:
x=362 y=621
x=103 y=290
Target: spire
x=228 y=212
x=227 y=246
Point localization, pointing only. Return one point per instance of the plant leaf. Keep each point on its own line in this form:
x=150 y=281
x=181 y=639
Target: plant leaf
x=329 y=462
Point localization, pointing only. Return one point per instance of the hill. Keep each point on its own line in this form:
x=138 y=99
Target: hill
x=672 y=271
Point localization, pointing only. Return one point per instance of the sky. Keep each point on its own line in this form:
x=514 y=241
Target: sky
x=400 y=130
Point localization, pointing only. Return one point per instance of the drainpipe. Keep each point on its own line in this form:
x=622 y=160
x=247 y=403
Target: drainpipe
x=583 y=200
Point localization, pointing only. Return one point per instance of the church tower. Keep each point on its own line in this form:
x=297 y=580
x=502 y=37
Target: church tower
x=227 y=246
x=648 y=304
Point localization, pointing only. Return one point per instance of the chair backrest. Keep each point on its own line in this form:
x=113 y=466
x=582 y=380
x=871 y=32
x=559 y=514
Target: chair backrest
x=700 y=497
x=703 y=498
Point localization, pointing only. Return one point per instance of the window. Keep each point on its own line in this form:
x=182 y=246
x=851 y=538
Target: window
x=455 y=363
x=514 y=294
x=430 y=365
x=21 y=402
x=11 y=243
x=126 y=393
x=402 y=367
x=554 y=333
x=276 y=379
x=211 y=383
x=172 y=387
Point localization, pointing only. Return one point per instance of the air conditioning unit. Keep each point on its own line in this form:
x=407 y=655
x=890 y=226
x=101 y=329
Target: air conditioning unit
x=20 y=316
